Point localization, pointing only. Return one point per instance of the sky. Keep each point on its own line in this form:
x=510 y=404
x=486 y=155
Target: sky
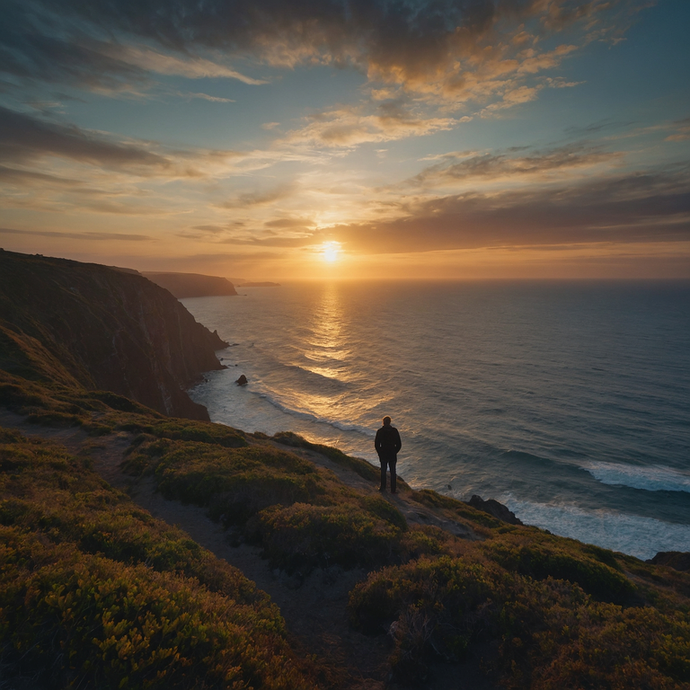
x=354 y=139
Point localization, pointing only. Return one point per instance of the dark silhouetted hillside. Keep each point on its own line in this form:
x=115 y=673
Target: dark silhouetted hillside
x=192 y=284
x=103 y=328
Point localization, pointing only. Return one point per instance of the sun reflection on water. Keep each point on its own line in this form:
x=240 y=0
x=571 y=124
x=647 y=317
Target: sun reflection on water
x=326 y=345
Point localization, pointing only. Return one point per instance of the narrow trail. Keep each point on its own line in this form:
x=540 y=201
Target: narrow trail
x=314 y=607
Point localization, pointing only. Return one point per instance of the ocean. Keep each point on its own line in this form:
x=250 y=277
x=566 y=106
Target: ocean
x=569 y=402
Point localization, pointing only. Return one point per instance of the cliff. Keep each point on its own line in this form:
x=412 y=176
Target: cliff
x=183 y=285
x=86 y=324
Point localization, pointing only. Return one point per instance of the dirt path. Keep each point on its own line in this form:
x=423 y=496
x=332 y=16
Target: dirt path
x=314 y=607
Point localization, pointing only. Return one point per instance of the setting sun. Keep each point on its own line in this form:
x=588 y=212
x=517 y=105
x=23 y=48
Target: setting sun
x=330 y=251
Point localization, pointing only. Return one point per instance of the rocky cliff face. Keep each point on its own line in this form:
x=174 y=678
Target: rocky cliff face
x=109 y=329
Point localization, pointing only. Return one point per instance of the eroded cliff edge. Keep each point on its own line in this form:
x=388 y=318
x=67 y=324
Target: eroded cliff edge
x=104 y=329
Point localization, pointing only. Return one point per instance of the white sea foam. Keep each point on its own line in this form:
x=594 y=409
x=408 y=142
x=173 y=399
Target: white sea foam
x=631 y=534
x=650 y=478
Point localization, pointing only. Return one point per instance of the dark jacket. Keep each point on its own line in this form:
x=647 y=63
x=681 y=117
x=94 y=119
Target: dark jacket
x=387 y=442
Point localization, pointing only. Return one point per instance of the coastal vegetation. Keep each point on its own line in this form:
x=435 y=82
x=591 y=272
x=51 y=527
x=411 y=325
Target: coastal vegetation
x=96 y=592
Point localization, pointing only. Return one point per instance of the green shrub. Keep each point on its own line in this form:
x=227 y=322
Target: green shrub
x=303 y=536
x=188 y=430
x=385 y=510
x=357 y=465
x=94 y=592
x=86 y=620
x=543 y=560
x=541 y=635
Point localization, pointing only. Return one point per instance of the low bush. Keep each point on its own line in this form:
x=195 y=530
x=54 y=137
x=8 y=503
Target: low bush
x=89 y=621
x=542 y=635
x=94 y=592
x=303 y=536
x=357 y=465
x=551 y=558
x=303 y=516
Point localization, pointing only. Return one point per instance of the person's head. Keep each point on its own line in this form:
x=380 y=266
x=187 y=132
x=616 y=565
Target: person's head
x=386 y=421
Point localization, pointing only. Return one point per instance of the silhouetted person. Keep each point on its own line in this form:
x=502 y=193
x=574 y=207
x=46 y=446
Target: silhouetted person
x=387 y=445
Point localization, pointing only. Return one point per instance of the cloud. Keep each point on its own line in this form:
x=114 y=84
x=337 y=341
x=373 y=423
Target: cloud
x=500 y=166
x=682 y=132
x=349 y=126
x=24 y=138
x=302 y=240
x=30 y=178
x=36 y=45
x=259 y=198
x=162 y=63
x=289 y=223
x=639 y=207
x=96 y=236
x=206 y=97
x=451 y=46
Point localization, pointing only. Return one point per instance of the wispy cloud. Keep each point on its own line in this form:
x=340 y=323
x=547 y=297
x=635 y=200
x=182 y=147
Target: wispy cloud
x=682 y=130
x=95 y=236
x=24 y=138
x=349 y=126
x=258 y=198
x=206 y=97
x=499 y=166
x=641 y=207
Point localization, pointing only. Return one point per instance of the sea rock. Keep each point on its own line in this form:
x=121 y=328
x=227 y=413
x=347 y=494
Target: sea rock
x=242 y=380
x=678 y=560
x=492 y=507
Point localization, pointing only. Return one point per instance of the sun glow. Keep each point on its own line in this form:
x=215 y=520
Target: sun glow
x=330 y=252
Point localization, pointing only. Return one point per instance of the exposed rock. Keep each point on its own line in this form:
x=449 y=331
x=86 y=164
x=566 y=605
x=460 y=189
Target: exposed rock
x=183 y=285
x=242 y=380
x=498 y=510
x=678 y=560
x=107 y=329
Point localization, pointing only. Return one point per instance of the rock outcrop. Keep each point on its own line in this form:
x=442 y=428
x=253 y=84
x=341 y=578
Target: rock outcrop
x=678 y=560
x=183 y=285
x=492 y=507
x=106 y=329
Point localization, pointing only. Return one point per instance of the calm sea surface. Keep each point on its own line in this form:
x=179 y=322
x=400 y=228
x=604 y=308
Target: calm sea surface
x=568 y=402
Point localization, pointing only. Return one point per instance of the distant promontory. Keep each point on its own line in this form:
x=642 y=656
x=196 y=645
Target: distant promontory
x=183 y=285
x=264 y=283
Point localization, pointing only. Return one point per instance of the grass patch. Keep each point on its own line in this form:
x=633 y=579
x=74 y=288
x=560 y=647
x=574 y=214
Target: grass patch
x=356 y=465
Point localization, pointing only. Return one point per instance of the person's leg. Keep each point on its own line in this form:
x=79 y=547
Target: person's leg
x=392 y=464
x=384 y=463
